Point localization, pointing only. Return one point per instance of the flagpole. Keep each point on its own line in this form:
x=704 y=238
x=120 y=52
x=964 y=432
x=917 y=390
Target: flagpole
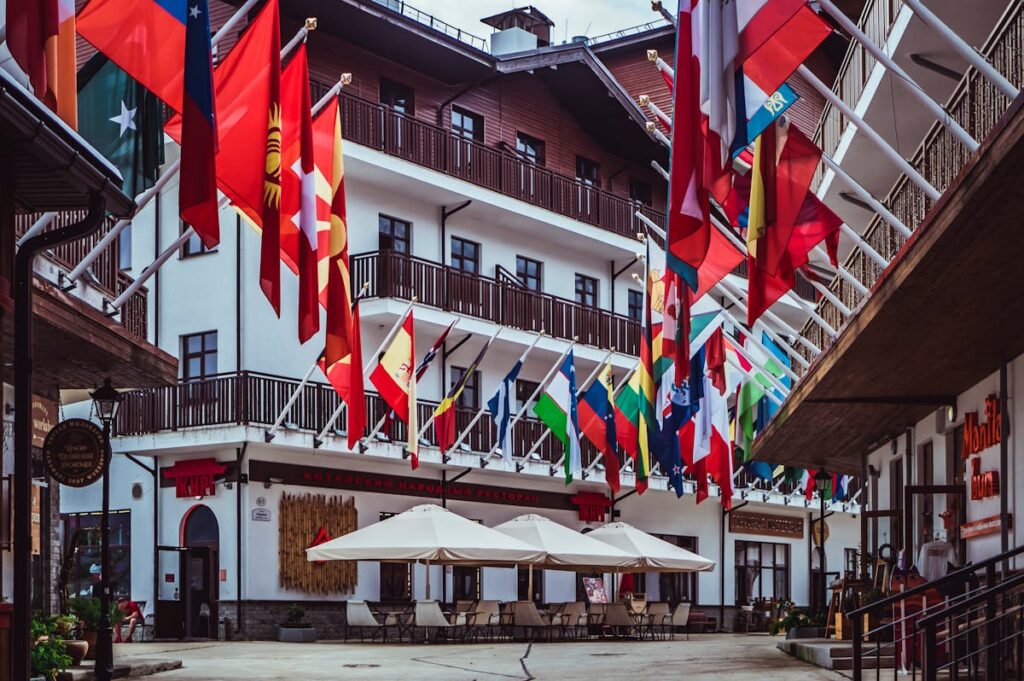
x=645 y=100
x=430 y=420
x=909 y=83
x=736 y=365
x=723 y=287
x=383 y=419
x=868 y=198
x=785 y=369
x=842 y=273
x=41 y=223
x=151 y=269
x=536 y=391
x=269 y=433
x=742 y=352
x=622 y=383
x=661 y=171
x=579 y=391
x=760 y=326
x=480 y=412
x=319 y=439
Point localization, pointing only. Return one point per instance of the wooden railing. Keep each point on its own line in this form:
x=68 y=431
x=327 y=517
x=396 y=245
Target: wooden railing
x=256 y=399
x=394 y=275
x=379 y=127
x=108 y=275
x=977 y=105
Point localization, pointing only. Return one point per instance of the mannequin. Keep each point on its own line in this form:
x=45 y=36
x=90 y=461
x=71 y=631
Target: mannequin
x=935 y=557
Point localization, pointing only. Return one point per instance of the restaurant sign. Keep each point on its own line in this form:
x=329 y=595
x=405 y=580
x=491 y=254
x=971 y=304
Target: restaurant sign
x=984 y=484
x=984 y=526
x=980 y=436
x=333 y=478
x=195 y=478
x=766 y=524
x=44 y=418
x=75 y=452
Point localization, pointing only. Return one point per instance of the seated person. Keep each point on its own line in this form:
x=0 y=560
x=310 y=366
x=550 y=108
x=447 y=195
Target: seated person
x=132 y=616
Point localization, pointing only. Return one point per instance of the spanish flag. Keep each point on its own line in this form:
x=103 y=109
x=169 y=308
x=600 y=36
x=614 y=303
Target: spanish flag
x=394 y=379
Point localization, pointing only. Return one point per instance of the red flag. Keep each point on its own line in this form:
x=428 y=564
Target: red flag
x=346 y=377
x=30 y=24
x=298 y=186
x=722 y=258
x=716 y=359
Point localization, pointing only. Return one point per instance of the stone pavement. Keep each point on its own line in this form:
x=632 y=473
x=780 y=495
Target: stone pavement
x=704 y=657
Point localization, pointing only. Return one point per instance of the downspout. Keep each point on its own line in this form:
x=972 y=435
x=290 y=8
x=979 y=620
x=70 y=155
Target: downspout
x=1004 y=465
x=240 y=453
x=24 y=260
x=238 y=294
x=156 y=275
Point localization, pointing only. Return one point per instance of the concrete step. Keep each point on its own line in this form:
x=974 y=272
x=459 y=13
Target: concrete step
x=139 y=667
x=837 y=655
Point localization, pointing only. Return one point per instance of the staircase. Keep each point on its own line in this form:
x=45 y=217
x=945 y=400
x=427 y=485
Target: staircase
x=835 y=655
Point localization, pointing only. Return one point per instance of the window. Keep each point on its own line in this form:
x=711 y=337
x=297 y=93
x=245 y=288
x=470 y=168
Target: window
x=194 y=245
x=528 y=271
x=83 y=532
x=124 y=248
x=524 y=391
x=635 y=302
x=198 y=355
x=523 y=584
x=393 y=234
x=586 y=290
x=640 y=191
x=395 y=578
x=465 y=583
x=465 y=255
x=588 y=172
x=530 y=148
x=470 y=396
x=762 y=571
x=468 y=126
x=677 y=587
x=397 y=97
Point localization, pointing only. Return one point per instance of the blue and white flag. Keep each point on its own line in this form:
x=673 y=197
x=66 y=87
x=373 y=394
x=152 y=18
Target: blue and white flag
x=500 y=408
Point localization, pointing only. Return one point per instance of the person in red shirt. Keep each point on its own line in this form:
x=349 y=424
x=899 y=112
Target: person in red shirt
x=132 y=616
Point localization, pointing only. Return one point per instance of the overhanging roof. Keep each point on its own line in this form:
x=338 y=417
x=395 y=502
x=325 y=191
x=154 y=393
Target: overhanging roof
x=945 y=314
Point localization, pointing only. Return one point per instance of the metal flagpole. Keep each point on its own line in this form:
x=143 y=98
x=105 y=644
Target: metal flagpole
x=912 y=87
x=736 y=365
x=842 y=273
x=645 y=100
x=579 y=391
x=742 y=352
x=867 y=197
x=430 y=420
x=724 y=287
x=652 y=56
x=39 y=225
x=966 y=51
x=536 y=391
x=785 y=369
x=759 y=325
x=622 y=383
x=269 y=433
x=480 y=412
x=188 y=232
x=661 y=171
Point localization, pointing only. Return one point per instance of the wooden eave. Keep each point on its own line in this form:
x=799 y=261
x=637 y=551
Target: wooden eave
x=944 y=315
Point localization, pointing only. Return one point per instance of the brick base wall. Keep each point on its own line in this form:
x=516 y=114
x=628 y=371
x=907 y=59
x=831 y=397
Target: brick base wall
x=259 y=619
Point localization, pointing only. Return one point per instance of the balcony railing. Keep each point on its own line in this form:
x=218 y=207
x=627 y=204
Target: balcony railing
x=255 y=399
x=394 y=275
x=977 y=105
x=395 y=134
x=108 y=275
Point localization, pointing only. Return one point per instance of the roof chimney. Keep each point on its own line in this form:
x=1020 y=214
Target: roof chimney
x=519 y=30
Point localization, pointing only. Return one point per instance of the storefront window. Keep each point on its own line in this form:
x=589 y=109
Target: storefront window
x=465 y=583
x=677 y=587
x=83 y=530
x=762 y=571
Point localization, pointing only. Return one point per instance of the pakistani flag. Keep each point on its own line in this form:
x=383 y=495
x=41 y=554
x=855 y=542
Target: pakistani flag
x=123 y=121
x=556 y=408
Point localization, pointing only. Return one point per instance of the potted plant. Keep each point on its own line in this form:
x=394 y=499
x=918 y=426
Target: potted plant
x=48 y=655
x=295 y=628
x=67 y=629
x=87 y=610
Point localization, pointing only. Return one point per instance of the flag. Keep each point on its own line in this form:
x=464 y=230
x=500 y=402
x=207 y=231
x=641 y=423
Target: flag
x=346 y=377
x=197 y=188
x=627 y=420
x=146 y=38
x=393 y=378
x=721 y=259
x=31 y=24
x=298 y=186
x=719 y=453
x=648 y=423
x=444 y=415
x=340 y=335
x=597 y=423
x=808 y=483
x=500 y=408
x=421 y=369
x=123 y=121
x=557 y=409
x=62 y=65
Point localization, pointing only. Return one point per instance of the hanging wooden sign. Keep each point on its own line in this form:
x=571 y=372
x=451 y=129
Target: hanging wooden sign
x=75 y=453
x=766 y=524
x=306 y=520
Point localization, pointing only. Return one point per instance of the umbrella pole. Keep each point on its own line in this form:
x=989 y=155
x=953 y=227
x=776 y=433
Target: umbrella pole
x=428 y=580
x=529 y=583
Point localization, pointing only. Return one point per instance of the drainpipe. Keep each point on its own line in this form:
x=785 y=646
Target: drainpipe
x=1004 y=465
x=23 y=372
x=240 y=453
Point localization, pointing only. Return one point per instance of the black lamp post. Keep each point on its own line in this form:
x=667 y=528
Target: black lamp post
x=105 y=400
x=821 y=478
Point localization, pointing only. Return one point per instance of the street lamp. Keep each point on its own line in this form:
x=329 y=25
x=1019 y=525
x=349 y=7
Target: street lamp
x=821 y=478
x=105 y=401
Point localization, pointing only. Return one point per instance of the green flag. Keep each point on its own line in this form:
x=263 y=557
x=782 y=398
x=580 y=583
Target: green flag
x=123 y=121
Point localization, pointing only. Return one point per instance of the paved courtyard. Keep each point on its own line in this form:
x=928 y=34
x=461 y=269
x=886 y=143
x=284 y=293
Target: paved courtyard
x=714 y=656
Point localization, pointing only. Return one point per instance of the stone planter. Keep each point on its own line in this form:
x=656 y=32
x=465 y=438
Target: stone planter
x=806 y=632
x=296 y=634
x=77 y=650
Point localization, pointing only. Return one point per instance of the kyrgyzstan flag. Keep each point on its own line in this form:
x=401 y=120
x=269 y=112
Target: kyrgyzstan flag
x=346 y=377
x=298 y=188
x=146 y=38
x=393 y=378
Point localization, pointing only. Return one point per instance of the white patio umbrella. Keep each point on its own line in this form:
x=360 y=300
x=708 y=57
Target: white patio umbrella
x=428 y=533
x=656 y=555
x=566 y=548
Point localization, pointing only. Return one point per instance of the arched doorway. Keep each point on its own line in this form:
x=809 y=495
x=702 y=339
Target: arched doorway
x=200 y=541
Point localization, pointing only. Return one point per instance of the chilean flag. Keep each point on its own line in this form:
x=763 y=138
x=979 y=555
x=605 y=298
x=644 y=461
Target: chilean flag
x=197 y=191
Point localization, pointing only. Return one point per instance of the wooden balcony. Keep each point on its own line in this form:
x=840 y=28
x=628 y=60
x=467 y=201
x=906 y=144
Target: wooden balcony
x=378 y=127
x=394 y=275
x=108 y=275
x=255 y=399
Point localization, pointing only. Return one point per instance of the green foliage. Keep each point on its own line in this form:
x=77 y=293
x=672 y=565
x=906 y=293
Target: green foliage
x=48 y=656
x=87 y=610
x=794 y=618
x=295 y=618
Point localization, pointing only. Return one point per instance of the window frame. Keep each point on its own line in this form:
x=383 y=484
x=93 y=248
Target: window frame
x=384 y=218
x=458 y=261
x=582 y=294
x=524 y=142
x=740 y=550
x=187 y=355
x=193 y=246
x=477 y=130
x=393 y=86
x=641 y=191
x=472 y=387
x=524 y=389
x=526 y=278
x=635 y=304
x=397 y=568
x=583 y=166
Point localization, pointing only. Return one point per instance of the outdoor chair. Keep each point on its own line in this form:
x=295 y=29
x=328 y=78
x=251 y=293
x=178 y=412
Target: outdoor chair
x=428 y=615
x=572 y=618
x=485 y=620
x=359 y=616
x=659 y=619
x=617 y=620
x=595 y=618
x=681 y=619
x=526 y=617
